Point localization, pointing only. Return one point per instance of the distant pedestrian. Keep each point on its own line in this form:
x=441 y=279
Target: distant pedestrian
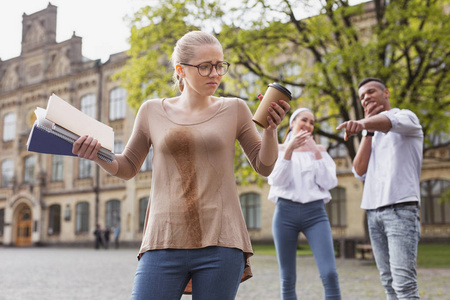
x=106 y=235
x=116 y=236
x=389 y=160
x=299 y=185
x=98 y=236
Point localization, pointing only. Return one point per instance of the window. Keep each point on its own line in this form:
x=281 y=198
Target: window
x=84 y=168
x=336 y=208
x=251 y=208
x=117 y=104
x=143 y=202
x=118 y=147
x=2 y=221
x=82 y=218
x=89 y=105
x=57 y=168
x=30 y=162
x=9 y=127
x=435 y=201
x=112 y=213
x=54 y=219
x=7 y=171
x=147 y=165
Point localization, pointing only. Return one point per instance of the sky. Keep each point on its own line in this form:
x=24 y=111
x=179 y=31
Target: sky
x=103 y=24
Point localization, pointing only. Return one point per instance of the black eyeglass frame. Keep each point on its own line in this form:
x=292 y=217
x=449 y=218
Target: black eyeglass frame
x=210 y=69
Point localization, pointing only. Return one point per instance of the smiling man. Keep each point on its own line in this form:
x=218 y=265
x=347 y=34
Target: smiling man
x=389 y=160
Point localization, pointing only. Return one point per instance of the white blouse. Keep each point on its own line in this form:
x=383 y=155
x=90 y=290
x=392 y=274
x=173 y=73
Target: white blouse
x=303 y=178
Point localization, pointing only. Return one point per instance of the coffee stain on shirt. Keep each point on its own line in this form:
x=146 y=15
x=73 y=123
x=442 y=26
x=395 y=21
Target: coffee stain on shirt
x=181 y=145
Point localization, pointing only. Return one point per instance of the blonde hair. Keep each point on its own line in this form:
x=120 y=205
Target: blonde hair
x=186 y=48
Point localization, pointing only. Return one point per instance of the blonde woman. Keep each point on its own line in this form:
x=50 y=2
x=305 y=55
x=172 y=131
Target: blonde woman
x=194 y=230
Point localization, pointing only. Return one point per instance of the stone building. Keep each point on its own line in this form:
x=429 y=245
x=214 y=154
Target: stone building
x=52 y=199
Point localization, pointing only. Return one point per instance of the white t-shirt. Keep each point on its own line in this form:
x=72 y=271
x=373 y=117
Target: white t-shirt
x=395 y=163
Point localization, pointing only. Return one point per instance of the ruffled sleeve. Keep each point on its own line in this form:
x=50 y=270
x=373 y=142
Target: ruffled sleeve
x=282 y=172
x=325 y=172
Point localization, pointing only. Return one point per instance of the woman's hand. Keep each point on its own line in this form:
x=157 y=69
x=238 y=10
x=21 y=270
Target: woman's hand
x=277 y=112
x=86 y=147
x=310 y=145
x=299 y=139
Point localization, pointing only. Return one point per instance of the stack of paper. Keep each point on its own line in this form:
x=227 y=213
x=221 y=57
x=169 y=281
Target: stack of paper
x=60 y=125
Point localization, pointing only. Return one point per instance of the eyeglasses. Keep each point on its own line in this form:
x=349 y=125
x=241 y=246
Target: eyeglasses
x=205 y=69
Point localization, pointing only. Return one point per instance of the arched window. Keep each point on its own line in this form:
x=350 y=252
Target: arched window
x=7 y=171
x=112 y=213
x=82 y=218
x=336 y=208
x=435 y=201
x=143 y=202
x=54 y=219
x=117 y=103
x=88 y=105
x=28 y=174
x=251 y=208
x=9 y=127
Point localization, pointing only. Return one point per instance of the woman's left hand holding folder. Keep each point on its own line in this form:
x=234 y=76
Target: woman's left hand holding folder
x=86 y=147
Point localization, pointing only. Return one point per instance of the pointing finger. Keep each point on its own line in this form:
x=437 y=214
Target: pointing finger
x=342 y=125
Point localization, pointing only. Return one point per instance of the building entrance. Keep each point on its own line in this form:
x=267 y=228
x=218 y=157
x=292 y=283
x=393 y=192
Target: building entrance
x=24 y=227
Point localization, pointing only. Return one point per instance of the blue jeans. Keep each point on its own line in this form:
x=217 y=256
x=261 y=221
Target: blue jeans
x=394 y=235
x=163 y=274
x=291 y=218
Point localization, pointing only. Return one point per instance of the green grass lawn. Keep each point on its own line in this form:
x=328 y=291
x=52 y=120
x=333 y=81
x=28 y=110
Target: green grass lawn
x=269 y=249
x=429 y=255
x=433 y=256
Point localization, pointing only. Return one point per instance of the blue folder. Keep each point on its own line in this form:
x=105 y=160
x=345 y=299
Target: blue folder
x=42 y=141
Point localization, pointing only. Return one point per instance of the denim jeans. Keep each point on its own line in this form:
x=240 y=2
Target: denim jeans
x=163 y=274
x=394 y=235
x=291 y=218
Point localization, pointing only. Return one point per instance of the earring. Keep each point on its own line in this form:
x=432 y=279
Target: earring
x=179 y=70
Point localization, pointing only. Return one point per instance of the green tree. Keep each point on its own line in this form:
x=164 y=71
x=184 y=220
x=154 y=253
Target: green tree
x=321 y=58
x=405 y=43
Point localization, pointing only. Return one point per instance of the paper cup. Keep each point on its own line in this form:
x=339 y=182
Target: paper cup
x=274 y=93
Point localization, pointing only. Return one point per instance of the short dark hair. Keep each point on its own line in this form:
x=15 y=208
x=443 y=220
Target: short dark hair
x=369 y=79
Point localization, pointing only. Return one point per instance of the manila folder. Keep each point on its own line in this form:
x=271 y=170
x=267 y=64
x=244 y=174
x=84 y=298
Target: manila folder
x=65 y=115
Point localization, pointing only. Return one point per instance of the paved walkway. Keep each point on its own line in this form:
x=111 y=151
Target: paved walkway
x=73 y=274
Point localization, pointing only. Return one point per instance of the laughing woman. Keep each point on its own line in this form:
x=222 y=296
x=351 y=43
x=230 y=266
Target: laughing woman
x=300 y=184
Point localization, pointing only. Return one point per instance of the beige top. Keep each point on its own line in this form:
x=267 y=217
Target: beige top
x=193 y=200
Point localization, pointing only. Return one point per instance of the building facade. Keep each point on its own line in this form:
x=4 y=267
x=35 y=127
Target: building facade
x=59 y=200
